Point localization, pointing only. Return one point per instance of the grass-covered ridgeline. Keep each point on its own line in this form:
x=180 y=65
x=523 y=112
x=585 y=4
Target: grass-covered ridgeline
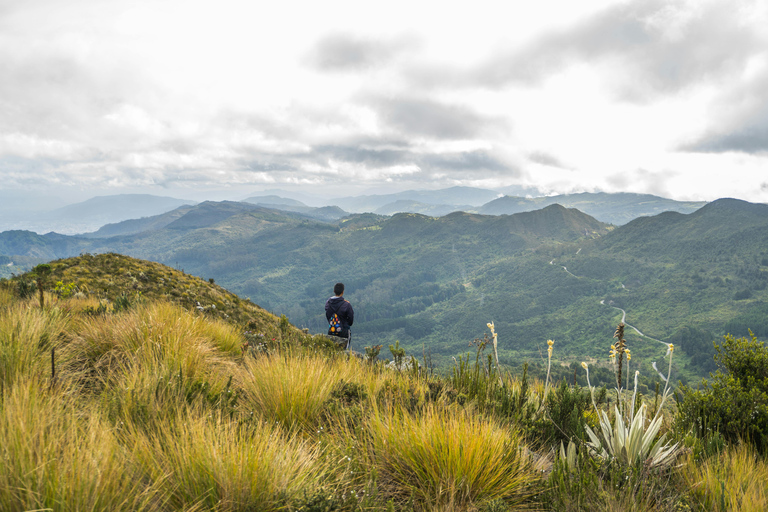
x=152 y=403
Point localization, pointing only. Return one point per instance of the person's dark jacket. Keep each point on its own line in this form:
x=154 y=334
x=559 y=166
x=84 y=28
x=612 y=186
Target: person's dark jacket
x=343 y=308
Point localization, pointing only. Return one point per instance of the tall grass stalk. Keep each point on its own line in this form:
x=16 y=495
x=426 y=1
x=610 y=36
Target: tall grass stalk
x=734 y=480
x=449 y=459
x=628 y=440
x=7 y=297
x=147 y=362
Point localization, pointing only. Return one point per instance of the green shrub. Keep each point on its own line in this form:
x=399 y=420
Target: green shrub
x=568 y=409
x=25 y=288
x=735 y=402
x=64 y=291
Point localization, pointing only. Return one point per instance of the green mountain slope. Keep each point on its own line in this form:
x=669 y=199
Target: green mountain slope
x=686 y=278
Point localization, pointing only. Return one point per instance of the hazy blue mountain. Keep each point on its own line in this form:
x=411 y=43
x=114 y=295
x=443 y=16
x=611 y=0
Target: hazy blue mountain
x=615 y=209
x=94 y=213
x=20 y=204
x=520 y=191
x=294 y=195
x=134 y=226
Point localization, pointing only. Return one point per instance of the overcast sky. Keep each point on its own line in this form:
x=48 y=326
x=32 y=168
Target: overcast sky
x=188 y=98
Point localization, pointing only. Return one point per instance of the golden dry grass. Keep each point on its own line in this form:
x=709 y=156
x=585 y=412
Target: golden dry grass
x=735 y=480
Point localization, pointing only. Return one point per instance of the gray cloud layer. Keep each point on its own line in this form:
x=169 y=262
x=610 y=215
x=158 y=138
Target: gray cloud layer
x=741 y=120
x=653 y=47
x=350 y=52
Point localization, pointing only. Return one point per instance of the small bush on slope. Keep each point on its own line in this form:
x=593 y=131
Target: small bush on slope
x=735 y=403
x=292 y=388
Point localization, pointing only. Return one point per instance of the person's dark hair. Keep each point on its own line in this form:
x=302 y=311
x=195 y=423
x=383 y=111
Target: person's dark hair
x=338 y=289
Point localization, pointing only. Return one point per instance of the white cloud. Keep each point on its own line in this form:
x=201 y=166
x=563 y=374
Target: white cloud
x=563 y=95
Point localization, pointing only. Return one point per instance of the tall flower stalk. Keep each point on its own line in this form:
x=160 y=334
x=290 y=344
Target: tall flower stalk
x=550 y=344
x=496 y=351
x=620 y=348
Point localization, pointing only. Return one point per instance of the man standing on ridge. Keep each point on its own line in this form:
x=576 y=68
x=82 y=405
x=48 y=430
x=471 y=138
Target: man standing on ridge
x=340 y=316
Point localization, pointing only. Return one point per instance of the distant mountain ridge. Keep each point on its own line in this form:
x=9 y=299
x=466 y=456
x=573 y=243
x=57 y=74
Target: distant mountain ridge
x=708 y=228
x=449 y=196
x=615 y=208
x=409 y=206
x=90 y=215
x=134 y=226
x=323 y=213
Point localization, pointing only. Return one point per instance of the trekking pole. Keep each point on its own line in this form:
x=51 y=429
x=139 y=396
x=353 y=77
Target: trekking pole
x=53 y=366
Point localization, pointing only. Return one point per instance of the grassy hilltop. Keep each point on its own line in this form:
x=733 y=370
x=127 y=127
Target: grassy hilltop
x=129 y=391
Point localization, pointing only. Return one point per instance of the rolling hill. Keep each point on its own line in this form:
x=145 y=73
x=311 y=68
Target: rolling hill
x=109 y=276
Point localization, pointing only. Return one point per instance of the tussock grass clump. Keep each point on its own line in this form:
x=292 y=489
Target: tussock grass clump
x=734 y=480
x=449 y=459
x=153 y=334
x=292 y=388
x=58 y=457
x=149 y=361
x=209 y=462
x=27 y=334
